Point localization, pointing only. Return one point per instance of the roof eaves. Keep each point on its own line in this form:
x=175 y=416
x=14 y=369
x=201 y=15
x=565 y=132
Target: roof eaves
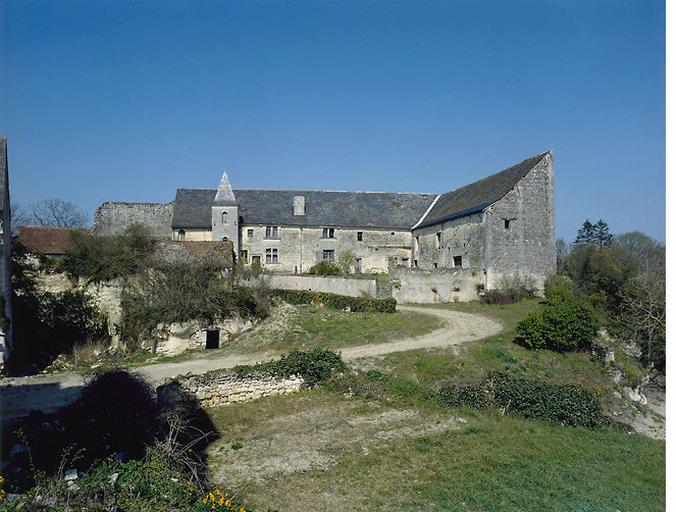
x=456 y=215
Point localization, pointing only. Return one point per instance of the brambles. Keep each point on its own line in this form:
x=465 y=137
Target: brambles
x=332 y=300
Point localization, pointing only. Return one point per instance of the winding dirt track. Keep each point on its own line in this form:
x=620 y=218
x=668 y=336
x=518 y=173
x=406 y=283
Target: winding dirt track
x=49 y=392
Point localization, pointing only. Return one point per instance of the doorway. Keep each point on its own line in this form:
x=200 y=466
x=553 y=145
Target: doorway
x=212 y=338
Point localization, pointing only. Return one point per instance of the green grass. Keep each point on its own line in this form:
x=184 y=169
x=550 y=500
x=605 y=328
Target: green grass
x=491 y=463
x=317 y=327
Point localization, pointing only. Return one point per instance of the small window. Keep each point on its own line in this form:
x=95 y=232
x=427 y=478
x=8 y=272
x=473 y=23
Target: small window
x=255 y=260
x=436 y=265
x=438 y=241
x=224 y=217
x=271 y=232
x=360 y=236
x=404 y=262
x=249 y=233
x=212 y=338
x=357 y=265
x=415 y=263
x=328 y=233
x=392 y=233
x=457 y=261
x=181 y=235
x=416 y=246
x=271 y=256
x=244 y=255
x=328 y=255
x=507 y=223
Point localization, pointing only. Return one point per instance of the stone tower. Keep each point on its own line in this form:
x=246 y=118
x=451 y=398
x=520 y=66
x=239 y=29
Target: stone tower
x=225 y=215
x=5 y=258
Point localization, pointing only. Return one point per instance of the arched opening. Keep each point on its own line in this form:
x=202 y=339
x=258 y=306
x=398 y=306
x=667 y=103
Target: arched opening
x=181 y=235
x=224 y=217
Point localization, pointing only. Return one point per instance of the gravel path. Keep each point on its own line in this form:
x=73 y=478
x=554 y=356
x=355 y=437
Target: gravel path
x=48 y=392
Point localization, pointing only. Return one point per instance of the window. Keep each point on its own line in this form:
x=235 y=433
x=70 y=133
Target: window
x=438 y=241
x=271 y=256
x=224 y=217
x=436 y=265
x=392 y=233
x=328 y=233
x=181 y=235
x=271 y=232
x=244 y=254
x=506 y=223
x=249 y=233
x=457 y=261
x=360 y=236
x=357 y=265
x=328 y=255
x=404 y=262
x=255 y=260
x=415 y=263
x=416 y=246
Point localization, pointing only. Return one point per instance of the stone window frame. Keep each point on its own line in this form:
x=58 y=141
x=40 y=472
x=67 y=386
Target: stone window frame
x=249 y=233
x=437 y=240
x=360 y=236
x=271 y=255
x=457 y=261
x=181 y=235
x=244 y=255
x=272 y=232
x=328 y=233
x=329 y=255
x=224 y=217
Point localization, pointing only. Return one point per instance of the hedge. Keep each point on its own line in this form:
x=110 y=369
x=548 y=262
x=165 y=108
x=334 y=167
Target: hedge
x=333 y=300
x=314 y=366
x=569 y=404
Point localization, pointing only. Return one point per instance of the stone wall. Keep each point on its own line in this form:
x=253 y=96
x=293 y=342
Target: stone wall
x=299 y=248
x=527 y=245
x=211 y=390
x=171 y=339
x=415 y=285
x=330 y=284
x=113 y=218
x=462 y=237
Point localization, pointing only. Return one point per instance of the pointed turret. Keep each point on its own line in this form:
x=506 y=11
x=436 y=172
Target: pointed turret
x=224 y=194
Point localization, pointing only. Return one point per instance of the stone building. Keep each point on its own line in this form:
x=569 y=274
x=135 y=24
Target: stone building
x=5 y=257
x=497 y=226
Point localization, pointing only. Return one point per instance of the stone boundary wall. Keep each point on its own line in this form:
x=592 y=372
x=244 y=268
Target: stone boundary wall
x=212 y=390
x=327 y=284
x=113 y=218
x=413 y=285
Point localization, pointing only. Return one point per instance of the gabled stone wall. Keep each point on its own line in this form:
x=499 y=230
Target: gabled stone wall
x=112 y=218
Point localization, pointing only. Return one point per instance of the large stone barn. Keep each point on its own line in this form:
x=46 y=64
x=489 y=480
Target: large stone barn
x=498 y=226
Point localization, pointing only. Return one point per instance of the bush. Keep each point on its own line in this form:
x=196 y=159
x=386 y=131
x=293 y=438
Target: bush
x=102 y=258
x=325 y=268
x=561 y=403
x=335 y=301
x=566 y=324
x=558 y=287
x=314 y=366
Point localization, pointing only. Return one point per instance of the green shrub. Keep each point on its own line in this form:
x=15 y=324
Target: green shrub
x=558 y=287
x=314 y=366
x=561 y=403
x=325 y=268
x=511 y=289
x=102 y=258
x=335 y=301
x=566 y=324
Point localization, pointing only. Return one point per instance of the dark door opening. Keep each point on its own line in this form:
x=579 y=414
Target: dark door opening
x=212 y=338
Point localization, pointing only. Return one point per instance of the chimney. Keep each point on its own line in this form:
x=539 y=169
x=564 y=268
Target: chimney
x=299 y=205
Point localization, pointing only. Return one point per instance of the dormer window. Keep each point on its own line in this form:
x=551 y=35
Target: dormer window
x=328 y=233
x=299 y=205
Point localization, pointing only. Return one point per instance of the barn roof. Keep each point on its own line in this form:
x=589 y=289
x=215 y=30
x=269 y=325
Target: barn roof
x=192 y=208
x=479 y=195
x=47 y=240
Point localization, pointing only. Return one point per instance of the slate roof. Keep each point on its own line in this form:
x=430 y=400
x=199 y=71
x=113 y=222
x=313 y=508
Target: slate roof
x=47 y=240
x=4 y=193
x=479 y=195
x=192 y=208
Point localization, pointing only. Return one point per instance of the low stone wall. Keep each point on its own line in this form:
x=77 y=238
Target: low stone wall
x=413 y=285
x=212 y=390
x=329 y=284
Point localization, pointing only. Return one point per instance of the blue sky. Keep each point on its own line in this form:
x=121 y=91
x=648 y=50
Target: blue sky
x=126 y=101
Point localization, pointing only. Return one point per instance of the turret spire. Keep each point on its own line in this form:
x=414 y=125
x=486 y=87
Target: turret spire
x=224 y=194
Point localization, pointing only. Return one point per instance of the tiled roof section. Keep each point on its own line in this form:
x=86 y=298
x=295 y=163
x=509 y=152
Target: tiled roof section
x=187 y=251
x=192 y=208
x=47 y=240
x=479 y=195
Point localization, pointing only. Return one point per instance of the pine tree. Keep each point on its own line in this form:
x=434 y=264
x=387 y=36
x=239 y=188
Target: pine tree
x=586 y=234
x=603 y=235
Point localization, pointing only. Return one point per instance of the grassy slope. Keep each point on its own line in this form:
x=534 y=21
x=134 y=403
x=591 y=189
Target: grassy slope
x=493 y=463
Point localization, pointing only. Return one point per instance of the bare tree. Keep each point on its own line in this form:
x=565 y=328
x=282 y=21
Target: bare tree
x=59 y=213
x=20 y=217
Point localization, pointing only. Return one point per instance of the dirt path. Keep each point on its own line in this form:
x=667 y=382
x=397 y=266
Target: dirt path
x=48 y=392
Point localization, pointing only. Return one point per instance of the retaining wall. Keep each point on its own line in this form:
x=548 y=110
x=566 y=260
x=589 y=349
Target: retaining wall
x=212 y=390
x=413 y=285
x=329 y=284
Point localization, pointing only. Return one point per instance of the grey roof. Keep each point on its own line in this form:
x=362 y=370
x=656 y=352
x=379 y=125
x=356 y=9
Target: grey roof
x=479 y=195
x=192 y=208
x=4 y=193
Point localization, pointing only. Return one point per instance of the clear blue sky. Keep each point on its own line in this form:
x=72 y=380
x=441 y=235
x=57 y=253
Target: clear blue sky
x=126 y=101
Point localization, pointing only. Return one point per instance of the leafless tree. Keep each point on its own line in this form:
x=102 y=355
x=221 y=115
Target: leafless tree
x=59 y=213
